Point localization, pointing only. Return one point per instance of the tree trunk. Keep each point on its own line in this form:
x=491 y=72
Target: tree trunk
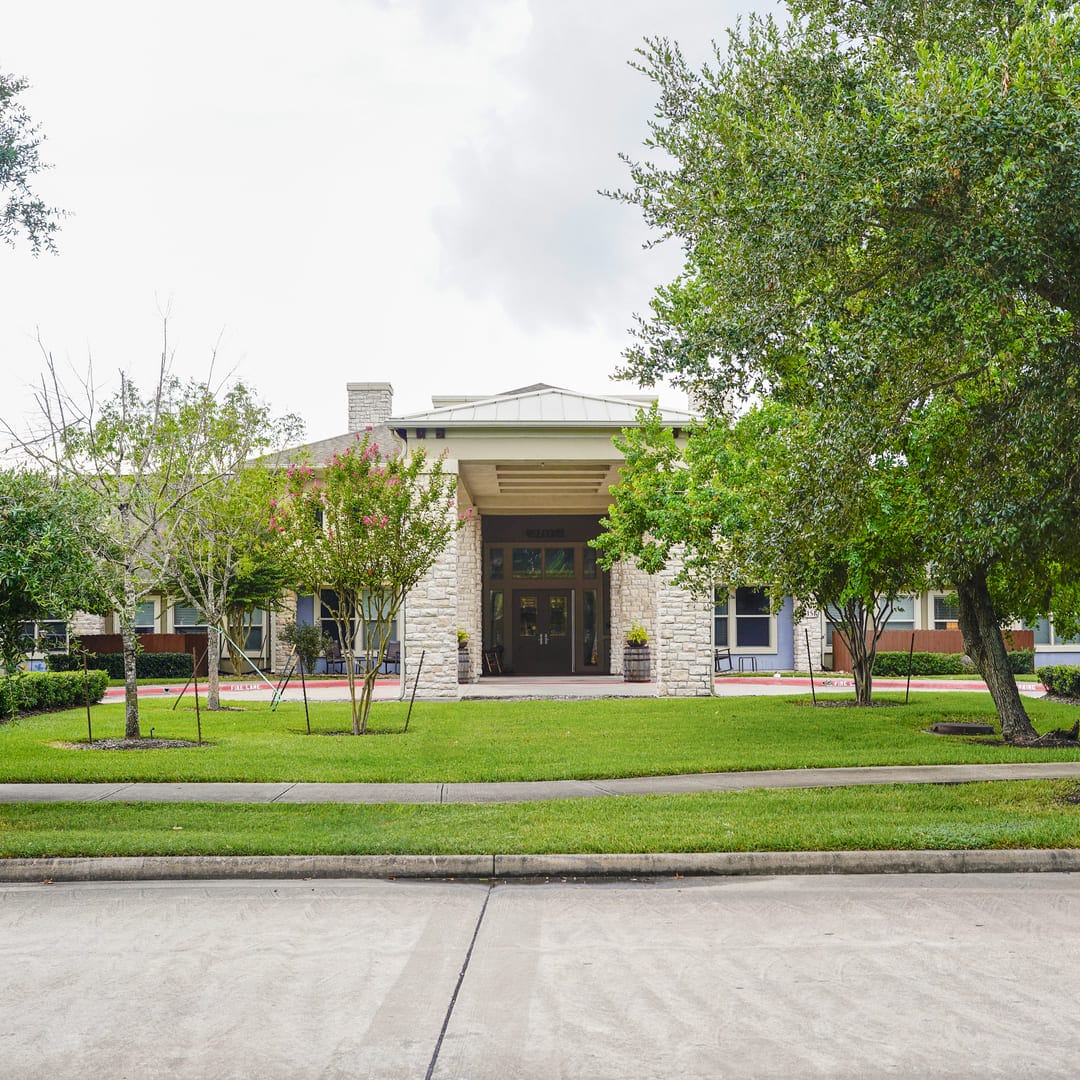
x=213 y=669
x=862 y=657
x=982 y=639
x=131 y=642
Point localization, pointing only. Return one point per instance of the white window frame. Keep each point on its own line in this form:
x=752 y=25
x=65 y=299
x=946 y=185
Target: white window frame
x=932 y=609
x=733 y=629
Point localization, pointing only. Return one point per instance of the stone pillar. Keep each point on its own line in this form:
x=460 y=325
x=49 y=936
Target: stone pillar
x=683 y=652
x=470 y=598
x=809 y=623
x=431 y=622
x=279 y=651
x=370 y=404
x=633 y=600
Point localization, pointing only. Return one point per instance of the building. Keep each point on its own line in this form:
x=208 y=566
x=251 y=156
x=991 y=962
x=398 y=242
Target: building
x=535 y=465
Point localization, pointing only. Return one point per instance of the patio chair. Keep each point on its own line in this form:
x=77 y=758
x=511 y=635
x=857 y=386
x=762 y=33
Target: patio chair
x=334 y=659
x=392 y=663
x=721 y=655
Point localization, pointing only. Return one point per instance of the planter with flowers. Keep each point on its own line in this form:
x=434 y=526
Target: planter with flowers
x=637 y=658
x=462 y=656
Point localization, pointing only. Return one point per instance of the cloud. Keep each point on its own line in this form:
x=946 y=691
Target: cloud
x=529 y=228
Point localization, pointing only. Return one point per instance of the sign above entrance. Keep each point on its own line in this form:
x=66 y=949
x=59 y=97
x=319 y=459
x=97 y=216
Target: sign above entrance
x=545 y=534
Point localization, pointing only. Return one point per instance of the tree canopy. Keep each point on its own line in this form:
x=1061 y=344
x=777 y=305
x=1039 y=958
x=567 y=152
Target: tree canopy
x=879 y=205
x=46 y=568
x=366 y=527
x=21 y=211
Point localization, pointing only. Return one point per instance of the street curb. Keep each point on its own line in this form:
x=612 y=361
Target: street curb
x=487 y=867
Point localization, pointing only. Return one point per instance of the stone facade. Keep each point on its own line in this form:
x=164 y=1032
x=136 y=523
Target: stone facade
x=279 y=651
x=683 y=650
x=82 y=624
x=633 y=600
x=430 y=627
x=810 y=624
x=470 y=596
x=370 y=404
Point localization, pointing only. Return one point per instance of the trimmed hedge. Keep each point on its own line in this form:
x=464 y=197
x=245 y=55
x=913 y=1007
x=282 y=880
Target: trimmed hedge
x=922 y=663
x=164 y=665
x=1061 y=680
x=36 y=691
x=1021 y=662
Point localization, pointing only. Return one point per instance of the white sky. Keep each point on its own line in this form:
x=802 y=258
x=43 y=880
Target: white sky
x=339 y=190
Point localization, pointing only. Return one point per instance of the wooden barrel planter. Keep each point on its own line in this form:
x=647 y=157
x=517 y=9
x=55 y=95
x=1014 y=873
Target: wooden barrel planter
x=637 y=663
x=463 y=664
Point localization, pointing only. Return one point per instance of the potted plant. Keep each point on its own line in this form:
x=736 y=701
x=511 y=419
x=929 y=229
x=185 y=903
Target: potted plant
x=462 y=656
x=637 y=659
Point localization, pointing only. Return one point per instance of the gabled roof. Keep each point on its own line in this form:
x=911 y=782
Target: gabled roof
x=540 y=406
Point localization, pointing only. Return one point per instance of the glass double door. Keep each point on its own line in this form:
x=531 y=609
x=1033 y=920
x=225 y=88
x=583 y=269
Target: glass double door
x=543 y=631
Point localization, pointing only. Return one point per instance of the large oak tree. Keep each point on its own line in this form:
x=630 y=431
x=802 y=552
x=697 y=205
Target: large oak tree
x=879 y=207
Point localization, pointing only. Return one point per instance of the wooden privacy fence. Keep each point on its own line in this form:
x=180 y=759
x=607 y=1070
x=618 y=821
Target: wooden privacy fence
x=150 y=643
x=938 y=641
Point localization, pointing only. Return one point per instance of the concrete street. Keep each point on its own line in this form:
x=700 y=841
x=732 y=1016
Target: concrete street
x=900 y=975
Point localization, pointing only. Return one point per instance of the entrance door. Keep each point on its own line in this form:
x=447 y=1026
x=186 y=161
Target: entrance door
x=542 y=631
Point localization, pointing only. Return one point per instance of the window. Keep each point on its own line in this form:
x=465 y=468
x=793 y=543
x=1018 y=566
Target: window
x=328 y=604
x=720 y=617
x=753 y=619
x=145 y=617
x=495 y=563
x=188 y=620
x=47 y=635
x=902 y=616
x=559 y=562
x=254 y=641
x=946 y=611
x=1046 y=633
x=742 y=619
x=527 y=562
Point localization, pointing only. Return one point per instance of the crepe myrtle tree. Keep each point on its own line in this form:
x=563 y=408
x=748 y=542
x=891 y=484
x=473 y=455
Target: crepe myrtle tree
x=366 y=528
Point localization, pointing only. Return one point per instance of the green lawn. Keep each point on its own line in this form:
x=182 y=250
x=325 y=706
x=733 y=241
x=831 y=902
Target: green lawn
x=513 y=740
x=989 y=815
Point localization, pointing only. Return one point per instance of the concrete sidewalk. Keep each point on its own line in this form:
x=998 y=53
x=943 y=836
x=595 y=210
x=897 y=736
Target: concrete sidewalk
x=534 y=790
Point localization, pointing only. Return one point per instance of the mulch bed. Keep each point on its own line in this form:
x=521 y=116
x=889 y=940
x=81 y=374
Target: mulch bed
x=130 y=744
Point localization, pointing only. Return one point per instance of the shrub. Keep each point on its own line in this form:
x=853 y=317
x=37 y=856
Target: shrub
x=33 y=691
x=922 y=663
x=166 y=665
x=1022 y=661
x=309 y=641
x=1061 y=680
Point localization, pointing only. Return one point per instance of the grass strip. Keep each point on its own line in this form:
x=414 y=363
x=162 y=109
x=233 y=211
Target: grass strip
x=892 y=816
x=513 y=740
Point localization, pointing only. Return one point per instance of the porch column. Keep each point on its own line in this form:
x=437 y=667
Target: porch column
x=810 y=624
x=633 y=600
x=470 y=600
x=431 y=622
x=684 y=649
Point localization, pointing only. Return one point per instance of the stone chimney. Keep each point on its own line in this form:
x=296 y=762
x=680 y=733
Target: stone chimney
x=370 y=404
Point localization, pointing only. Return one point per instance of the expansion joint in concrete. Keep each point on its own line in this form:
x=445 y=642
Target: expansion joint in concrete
x=460 y=979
